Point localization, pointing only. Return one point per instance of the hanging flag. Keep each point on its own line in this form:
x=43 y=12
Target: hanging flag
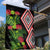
x=19 y=28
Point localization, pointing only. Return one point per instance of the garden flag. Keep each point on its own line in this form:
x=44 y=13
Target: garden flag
x=19 y=28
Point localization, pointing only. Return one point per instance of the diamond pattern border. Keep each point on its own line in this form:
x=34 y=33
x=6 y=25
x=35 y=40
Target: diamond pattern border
x=28 y=27
x=31 y=41
x=30 y=38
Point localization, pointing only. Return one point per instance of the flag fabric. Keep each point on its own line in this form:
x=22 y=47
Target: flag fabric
x=19 y=28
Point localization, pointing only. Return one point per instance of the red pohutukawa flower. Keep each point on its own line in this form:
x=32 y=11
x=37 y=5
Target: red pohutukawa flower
x=21 y=39
x=24 y=46
x=17 y=13
x=8 y=12
x=18 y=26
x=9 y=27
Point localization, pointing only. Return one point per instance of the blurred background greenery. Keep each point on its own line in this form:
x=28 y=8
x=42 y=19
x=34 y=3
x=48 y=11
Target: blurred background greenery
x=2 y=35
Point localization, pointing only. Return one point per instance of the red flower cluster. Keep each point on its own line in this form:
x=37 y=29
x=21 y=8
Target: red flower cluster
x=17 y=13
x=25 y=47
x=8 y=12
x=21 y=39
x=18 y=26
x=9 y=27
